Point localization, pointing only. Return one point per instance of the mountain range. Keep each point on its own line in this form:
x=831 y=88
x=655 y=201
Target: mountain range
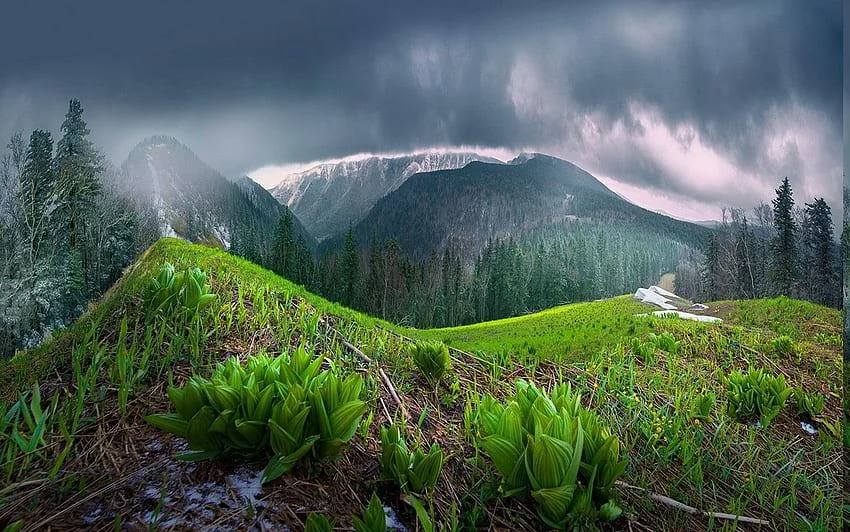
x=427 y=201
x=329 y=197
x=466 y=207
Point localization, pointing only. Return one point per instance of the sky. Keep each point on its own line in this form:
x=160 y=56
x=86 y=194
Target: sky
x=683 y=107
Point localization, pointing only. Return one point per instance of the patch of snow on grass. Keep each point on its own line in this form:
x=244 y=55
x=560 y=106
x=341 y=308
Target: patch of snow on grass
x=652 y=298
x=682 y=315
x=660 y=291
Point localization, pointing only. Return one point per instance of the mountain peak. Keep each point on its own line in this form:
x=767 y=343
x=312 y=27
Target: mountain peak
x=160 y=141
x=525 y=156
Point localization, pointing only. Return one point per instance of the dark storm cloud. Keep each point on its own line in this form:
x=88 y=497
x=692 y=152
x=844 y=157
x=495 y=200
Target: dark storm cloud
x=255 y=83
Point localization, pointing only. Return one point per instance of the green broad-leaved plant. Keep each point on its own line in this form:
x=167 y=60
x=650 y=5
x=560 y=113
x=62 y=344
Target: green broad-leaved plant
x=432 y=359
x=756 y=395
x=810 y=404
x=172 y=293
x=414 y=471
x=702 y=406
x=374 y=519
x=548 y=446
x=284 y=406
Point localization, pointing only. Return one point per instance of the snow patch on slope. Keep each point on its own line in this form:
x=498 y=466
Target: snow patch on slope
x=670 y=304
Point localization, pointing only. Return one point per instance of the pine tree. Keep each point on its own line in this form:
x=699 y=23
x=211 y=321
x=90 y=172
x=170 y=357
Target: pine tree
x=350 y=270
x=783 y=245
x=78 y=168
x=283 y=255
x=820 y=253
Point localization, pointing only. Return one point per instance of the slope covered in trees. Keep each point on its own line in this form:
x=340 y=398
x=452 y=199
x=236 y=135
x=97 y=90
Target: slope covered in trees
x=66 y=230
x=195 y=202
x=489 y=241
x=465 y=208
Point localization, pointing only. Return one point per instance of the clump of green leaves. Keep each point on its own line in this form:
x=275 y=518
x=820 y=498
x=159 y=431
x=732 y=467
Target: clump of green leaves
x=643 y=350
x=810 y=404
x=665 y=342
x=317 y=523
x=551 y=447
x=285 y=405
x=183 y=294
x=756 y=394
x=784 y=346
x=374 y=519
x=414 y=470
x=432 y=359
x=702 y=406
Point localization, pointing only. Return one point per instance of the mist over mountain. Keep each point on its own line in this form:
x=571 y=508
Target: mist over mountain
x=329 y=197
x=195 y=202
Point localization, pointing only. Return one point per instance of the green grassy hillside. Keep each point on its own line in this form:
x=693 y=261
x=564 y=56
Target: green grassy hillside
x=86 y=458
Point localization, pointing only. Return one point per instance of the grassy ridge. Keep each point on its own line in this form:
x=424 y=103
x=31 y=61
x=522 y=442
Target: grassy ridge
x=564 y=333
x=711 y=462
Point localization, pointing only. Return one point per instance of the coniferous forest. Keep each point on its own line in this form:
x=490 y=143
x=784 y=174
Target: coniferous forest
x=778 y=250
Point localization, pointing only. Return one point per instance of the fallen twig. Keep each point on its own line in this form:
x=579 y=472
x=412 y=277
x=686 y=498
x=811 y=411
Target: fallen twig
x=673 y=503
x=384 y=378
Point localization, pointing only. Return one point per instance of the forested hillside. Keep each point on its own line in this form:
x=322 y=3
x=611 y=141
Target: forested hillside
x=489 y=241
x=195 y=202
x=465 y=208
x=493 y=240
x=67 y=228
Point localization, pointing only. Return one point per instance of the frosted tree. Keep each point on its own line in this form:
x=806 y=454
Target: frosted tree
x=78 y=167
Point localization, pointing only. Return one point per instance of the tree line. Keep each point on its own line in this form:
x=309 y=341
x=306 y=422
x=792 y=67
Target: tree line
x=568 y=262
x=780 y=249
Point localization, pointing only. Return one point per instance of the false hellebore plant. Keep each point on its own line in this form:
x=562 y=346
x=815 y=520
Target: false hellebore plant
x=285 y=405
x=552 y=448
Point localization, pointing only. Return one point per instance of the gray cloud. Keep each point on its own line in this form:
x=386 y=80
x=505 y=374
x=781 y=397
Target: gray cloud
x=671 y=96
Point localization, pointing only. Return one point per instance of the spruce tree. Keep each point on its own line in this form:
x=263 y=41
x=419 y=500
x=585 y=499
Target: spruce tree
x=350 y=269
x=78 y=168
x=283 y=248
x=783 y=245
x=820 y=252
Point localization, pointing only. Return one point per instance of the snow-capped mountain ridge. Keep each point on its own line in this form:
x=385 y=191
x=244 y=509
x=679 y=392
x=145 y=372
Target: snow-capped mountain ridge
x=330 y=196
